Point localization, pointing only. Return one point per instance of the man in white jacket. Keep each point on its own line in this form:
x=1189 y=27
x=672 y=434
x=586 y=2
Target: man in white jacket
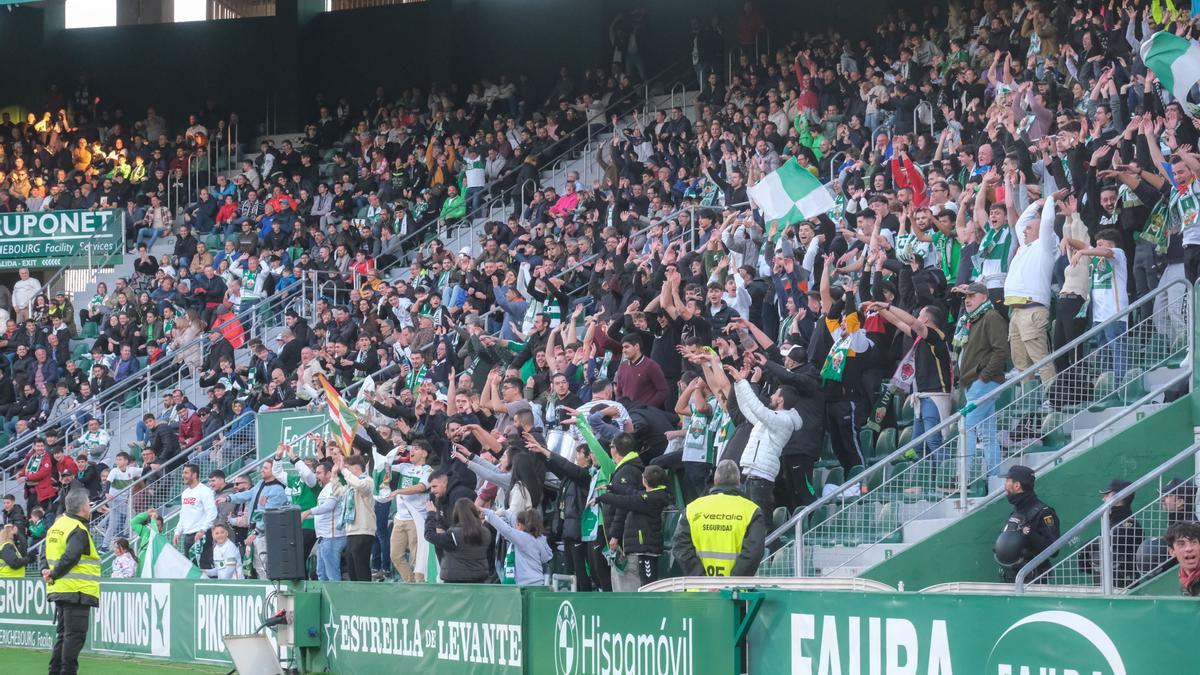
x=327 y=522
x=23 y=293
x=197 y=513
x=772 y=428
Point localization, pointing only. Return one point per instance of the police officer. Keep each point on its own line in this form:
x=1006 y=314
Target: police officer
x=1127 y=536
x=1030 y=529
x=722 y=534
x=71 y=569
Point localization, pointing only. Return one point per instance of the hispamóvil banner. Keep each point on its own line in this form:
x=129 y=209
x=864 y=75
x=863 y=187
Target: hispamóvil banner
x=804 y=633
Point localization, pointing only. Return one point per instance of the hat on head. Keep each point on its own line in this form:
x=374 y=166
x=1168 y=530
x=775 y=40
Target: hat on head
x=1021 y=474
x=1116 y=485
x=1178 y=488
x=466 y=250
x=797 y=354
x=976 y=287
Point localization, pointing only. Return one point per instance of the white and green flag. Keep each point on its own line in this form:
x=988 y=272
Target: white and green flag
x=157 y=558
x=790 y=192
x=1176 y=62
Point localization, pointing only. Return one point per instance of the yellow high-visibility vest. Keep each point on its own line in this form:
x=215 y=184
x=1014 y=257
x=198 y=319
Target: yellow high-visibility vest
x=7 y=572
x=85 y=576
x=718 y=524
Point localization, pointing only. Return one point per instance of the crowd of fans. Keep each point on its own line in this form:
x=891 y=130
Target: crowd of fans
x=653 y=306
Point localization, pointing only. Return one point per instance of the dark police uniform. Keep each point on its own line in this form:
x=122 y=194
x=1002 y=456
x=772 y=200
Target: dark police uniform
x=1029 y=511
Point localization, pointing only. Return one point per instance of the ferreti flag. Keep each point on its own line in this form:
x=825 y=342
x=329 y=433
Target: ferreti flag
x=343 y=422
x=1176 y=62
x=790 y=192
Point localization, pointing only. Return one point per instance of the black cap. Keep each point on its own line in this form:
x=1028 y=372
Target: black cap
x=1021 y=474
x=1179 y=488
x=1115 y=485
x=797 y=354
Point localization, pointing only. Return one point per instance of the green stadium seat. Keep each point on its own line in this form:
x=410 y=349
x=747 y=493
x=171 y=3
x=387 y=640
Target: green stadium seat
x=1179 y=351
x=866 y=441
x=885 y=444
x=90 y=330
x=902 y=409
x=906 y=436
x=1053 y=434
x=827 y=457
x=1132 y=385
x=778 y=517
x=133 y=399
x=1103 y=391
x=835 y=476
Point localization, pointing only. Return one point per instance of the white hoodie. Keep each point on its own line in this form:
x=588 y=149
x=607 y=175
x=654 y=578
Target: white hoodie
x=772 y=429
x=199 y=510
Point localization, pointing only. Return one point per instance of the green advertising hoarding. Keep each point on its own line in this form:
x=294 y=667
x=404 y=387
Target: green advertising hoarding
x=419 y=628
x=806 y=633
x=61 y=238
x=26 y=617
x=610 y=633
x=289 y=426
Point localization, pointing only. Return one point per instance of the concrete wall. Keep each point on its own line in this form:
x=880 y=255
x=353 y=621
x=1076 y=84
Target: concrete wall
x=963 y=551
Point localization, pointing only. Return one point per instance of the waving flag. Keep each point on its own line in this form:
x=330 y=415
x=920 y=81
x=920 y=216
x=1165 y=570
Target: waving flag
x=790 y=192
x=1176 y=62
x=343 y=422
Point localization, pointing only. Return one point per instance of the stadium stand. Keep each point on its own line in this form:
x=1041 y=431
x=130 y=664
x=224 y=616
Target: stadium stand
x=985 y=257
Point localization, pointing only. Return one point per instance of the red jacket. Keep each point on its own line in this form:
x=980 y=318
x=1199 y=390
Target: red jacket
x=189 y=430
x=41 y=479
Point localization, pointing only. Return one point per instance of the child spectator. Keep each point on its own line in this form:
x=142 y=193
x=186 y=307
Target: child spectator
x=642 y=538
x=124 y=565
x=528 y=551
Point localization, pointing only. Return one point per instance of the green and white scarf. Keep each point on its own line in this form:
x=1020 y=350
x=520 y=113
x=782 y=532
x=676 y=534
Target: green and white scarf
x=995 y=246
x=962 y=329
x=1155 y=229
x=835 y=361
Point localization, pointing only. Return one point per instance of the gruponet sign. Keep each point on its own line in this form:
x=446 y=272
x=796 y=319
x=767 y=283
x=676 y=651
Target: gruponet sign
x=61 y=238
x=26 y=616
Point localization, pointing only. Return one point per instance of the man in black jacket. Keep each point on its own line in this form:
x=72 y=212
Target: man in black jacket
x=625 y=480
x=794 y=486
x=585 y=558
x=14 y=515
x=643 y=537
x=163 y=440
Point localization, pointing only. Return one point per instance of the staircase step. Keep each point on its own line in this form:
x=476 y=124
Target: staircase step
x=866 y=556
x=919 y=529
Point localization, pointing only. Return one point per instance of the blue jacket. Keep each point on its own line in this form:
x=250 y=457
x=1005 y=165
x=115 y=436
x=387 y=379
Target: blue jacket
x=271 y=495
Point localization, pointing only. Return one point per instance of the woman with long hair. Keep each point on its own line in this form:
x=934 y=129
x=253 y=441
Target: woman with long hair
x=12 y=560
x=464 y=545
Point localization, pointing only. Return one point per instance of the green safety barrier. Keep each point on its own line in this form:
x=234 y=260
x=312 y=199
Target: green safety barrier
x=810 y=633
x=443 y=628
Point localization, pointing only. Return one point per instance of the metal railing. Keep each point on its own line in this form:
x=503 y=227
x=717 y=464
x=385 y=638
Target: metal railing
x=555 y=166
x=936 y=474
x=1126 y=552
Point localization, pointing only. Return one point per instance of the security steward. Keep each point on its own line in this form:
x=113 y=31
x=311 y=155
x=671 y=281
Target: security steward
x=722 y=534
x=71 y=569
x=1030 y=529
